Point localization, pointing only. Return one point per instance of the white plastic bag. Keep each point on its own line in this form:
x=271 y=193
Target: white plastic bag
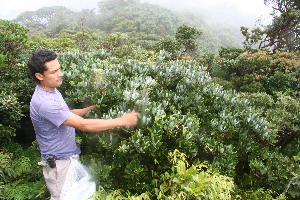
x=78 y=184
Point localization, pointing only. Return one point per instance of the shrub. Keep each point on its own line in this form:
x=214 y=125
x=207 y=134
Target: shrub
x=12 y=40
x=230 y=53
x=11 y=113
x=179 y=108
x=260 y=71
x=183 y=182
x=16 y=85
x=20 y=176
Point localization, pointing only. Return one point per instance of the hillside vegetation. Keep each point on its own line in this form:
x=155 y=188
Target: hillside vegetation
x=215 y=122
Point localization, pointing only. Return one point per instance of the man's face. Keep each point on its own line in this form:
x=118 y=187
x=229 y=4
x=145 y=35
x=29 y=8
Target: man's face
x=52 y=77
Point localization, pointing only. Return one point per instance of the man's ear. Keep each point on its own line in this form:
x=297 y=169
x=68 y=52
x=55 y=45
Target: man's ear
x=39 y=76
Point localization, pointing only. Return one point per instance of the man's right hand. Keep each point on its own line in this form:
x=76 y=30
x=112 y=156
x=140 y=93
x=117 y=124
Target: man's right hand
x=129 y=119
x=95 y=125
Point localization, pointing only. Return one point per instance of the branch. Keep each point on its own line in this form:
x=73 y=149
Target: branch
x=290 y=183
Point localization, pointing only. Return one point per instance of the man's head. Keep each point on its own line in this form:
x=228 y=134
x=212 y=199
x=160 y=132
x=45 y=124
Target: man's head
x=45 y=69
x=36 y=63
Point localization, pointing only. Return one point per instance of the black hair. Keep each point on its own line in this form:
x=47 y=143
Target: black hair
x=36 y=63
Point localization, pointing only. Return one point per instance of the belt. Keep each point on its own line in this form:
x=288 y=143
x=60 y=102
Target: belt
x=45 y=162
x=76 y=156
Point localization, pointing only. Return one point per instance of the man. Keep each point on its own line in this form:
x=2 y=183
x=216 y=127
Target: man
x=54 y=123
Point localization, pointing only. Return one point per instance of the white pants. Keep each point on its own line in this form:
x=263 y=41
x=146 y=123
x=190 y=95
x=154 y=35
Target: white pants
x=69 y=180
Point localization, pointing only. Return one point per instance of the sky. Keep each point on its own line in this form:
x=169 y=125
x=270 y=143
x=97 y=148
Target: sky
x=10 y=9
x=250 y=9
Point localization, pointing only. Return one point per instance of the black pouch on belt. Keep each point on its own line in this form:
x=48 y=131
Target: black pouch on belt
x=51 y=161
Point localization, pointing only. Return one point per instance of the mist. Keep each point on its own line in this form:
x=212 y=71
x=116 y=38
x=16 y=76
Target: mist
x=222 y=17
x=225 y=13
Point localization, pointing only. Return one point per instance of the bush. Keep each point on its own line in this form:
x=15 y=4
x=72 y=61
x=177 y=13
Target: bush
x=16 y=85
x=179 y=108
x=183 y=182
x=11 y=113
x=55 y=44
x=12 y=40
x=20 y=176
x=260 y=71
x=287 y=122
x=230 y=53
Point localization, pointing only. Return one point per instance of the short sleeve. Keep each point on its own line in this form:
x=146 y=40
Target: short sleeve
x=54 y=112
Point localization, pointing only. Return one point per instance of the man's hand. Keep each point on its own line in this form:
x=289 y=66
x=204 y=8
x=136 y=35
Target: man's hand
x=129 y=119
x=94 y=125
x=82 y=112
x=93 y=107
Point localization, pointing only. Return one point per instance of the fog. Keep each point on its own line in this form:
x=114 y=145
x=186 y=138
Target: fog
x=233 y=13
x=225 y=13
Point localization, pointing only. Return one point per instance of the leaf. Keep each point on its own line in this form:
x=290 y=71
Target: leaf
x=181 y=168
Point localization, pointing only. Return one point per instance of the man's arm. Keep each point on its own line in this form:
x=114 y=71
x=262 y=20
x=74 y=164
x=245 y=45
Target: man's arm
x=95 y=125
x=82 y=112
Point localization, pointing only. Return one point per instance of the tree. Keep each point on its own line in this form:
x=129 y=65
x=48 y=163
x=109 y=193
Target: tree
x=283 y=33
x=40 y=19
x=12 y=40
x=139 y=17
x=115 y=4
x=14 y=79
x=115 y=40
x=187 y=36
x=169 y=45
x=253 y=37
x=184 y=43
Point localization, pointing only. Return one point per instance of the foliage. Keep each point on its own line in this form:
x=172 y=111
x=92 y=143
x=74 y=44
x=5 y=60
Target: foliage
x=252 y=38
x=247 y=139
x=231 y=135
x=40 y=19
x=184 y=182
x=131 y=16
x=144 y=23
x=14 y=79
x=55 y=44
x=276 y=75
x=20 y=176
x=115 y=40
x=186 y=37
x=261 y=194
x=12 y=40
x=67 y=40
x=288 y=122
x=184 y=43
x=194 y=181
x=230 y=53
x=262 y=72
x=282 y=34
x=169 y=45
x=11 y=113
